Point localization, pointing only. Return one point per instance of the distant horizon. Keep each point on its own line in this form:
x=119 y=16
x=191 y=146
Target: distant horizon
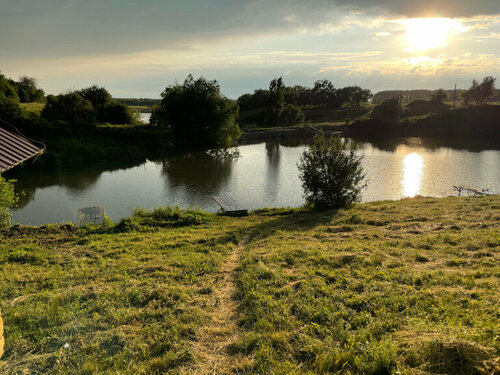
x=266 y=88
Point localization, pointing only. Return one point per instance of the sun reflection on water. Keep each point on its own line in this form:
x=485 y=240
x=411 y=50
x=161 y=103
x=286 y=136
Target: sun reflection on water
x=412 y=174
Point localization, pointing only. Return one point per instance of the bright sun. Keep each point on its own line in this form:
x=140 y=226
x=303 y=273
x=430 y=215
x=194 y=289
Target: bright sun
x=429 y=33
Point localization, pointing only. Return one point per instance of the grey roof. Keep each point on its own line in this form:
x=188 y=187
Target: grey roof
x=14 y=149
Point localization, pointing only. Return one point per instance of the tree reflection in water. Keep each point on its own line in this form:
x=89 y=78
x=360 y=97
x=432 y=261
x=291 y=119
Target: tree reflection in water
x=272 y=181
x=197 y=173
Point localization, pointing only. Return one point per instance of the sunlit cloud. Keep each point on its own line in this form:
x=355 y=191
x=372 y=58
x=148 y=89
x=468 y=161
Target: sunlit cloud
x=489 y=36
x=372 y=43
x=429 y=33
x=381 y=34
x=346 y=22
x=424 y=65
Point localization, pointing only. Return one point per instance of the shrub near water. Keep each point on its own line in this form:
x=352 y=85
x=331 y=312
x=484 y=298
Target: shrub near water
x=331 y=176
x=162 y=217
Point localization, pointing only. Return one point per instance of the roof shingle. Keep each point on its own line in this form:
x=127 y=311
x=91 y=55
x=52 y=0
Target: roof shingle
x=15 y=149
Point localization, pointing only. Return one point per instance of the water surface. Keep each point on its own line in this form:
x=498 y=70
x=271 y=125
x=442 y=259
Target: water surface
x=265 y=175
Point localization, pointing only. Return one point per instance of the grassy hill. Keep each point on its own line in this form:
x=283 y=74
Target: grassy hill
x=407 y=287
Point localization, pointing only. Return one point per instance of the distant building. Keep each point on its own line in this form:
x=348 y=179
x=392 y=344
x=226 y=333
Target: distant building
x=15 y=148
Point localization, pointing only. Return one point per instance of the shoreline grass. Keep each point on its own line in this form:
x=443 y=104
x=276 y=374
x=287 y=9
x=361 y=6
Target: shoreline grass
x=408 y=287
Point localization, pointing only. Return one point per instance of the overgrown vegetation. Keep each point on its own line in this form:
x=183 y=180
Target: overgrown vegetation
x=8 y=200
x=404 y=287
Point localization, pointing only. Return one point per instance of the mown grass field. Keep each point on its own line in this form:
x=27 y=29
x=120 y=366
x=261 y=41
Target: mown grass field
x=407 y=287
x=35 y=108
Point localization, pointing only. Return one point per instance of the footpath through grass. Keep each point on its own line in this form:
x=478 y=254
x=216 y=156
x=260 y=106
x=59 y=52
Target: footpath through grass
x=408 y=287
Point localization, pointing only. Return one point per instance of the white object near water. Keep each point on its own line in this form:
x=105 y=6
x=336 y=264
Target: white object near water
x=90 y=215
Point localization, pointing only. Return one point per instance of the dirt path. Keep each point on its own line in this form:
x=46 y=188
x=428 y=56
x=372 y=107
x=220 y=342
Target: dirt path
x=215 y=338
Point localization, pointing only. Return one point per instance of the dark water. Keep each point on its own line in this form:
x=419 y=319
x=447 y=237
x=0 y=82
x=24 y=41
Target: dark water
x=265 y=175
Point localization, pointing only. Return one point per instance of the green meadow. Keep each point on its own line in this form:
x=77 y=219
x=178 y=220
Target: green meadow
x=392 y=287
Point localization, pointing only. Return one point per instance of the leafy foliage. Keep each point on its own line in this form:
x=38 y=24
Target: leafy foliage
x=287 y=105
x=198 y=114
x=9 y=109
x=87 y=105
x=291 y=115
x=357 y=95
x=257 y=100
x=275 y=102
x=28 y=91
x=7 y=90
x=278 y=112
x=331 y=176
x=116 y=113
x=72 y=107
x=8 y=199
x=388 y=110
x=438 y=96
x=479 y=92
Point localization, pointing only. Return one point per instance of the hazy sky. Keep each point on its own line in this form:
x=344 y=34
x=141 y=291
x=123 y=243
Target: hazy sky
x=137 y=47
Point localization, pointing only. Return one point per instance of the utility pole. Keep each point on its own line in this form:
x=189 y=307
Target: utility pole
x=455 y=97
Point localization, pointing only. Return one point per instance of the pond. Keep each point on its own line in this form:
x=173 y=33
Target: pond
x=264 y=175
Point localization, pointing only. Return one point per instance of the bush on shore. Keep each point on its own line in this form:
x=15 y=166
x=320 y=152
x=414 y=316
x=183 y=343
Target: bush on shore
x=331 y=175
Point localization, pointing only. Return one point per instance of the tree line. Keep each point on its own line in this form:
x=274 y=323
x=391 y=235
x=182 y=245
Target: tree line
x=284 y=105
x=88 y=105
x=197 y=114
x=24 y=90
x=475 y=94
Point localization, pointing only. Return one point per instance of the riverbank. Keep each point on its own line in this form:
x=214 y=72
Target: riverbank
x=480 y=122
x=71 y=145
x=477 y=121
x=385 y=286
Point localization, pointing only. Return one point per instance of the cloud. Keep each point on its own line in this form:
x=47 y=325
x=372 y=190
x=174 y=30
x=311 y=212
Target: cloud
x=70 y=43
x=489 y=36
x=424 y=66
x=425 y=8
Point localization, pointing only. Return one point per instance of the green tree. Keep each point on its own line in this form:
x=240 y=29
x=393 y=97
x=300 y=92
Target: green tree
x=324 y=94
x=8 y=200
x=98 y=96
x=275 y=102
x=278 y=111
x=438 y=96
x=198 y=114
x=28 y=91
x=357 y=95
x=7 y=90
x=116 y=113
x=9 y=109
x=257 y=100
x=71 y=107
x=291 y=115
x=388 y=110
x=107 y=109
x=332 y=176
x=479 y=92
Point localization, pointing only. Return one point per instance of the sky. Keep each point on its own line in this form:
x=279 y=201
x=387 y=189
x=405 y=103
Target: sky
x=135 y=48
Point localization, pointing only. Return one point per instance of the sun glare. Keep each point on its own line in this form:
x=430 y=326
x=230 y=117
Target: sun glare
x=429 y=33
x=412 y=174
